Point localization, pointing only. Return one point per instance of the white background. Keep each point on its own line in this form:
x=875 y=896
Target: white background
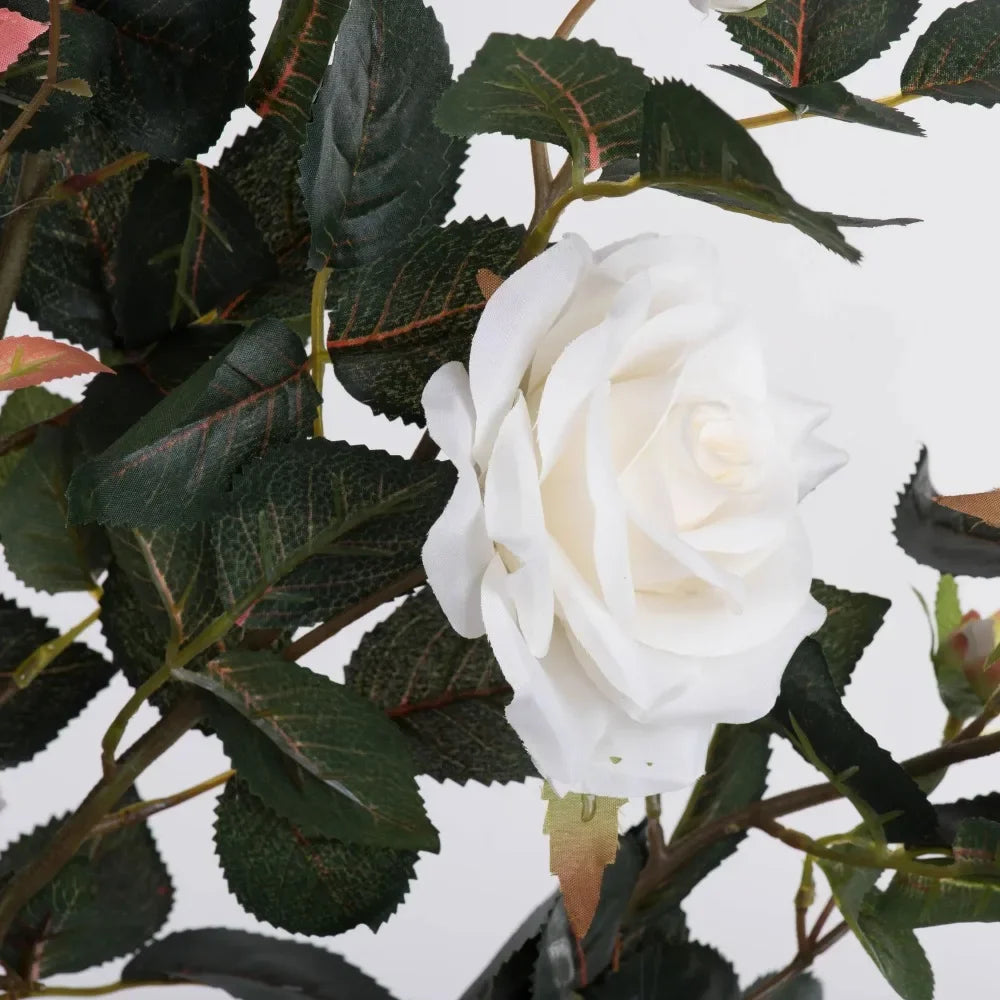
x=904 y=347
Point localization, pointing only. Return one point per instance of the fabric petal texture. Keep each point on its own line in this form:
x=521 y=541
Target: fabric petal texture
x=625 y=525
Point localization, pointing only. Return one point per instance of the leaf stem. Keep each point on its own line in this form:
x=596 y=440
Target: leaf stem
x=45 y=990
x=803 y=959
x=18 y=229
x=71 y=186
x=330 y=628
x=317 y=325
x=51 y=78
x=779 y=117
x=139 y=812
x=106 y=794
x=33 y=664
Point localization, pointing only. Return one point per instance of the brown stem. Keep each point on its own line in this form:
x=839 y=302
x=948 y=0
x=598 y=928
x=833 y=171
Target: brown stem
x=106 y=794
x=541 y=172
x=824 y=916
x=682 y=851
x=18 y=229
x=51 y=78
x=975 y=728
x=573 y=18
x=769 y=986
x=330 y=628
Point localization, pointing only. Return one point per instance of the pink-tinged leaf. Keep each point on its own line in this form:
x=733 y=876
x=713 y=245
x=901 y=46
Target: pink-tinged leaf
x=17 y=32
x=28 y=361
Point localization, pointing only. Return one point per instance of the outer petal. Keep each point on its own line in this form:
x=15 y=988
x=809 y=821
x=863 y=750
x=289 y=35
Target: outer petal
x=457 y=550
x=515 y=520
x=796 y=420
x=516 y=317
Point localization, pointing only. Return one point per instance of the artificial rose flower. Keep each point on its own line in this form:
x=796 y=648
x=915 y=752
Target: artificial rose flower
x=624 y=527
x=726 y=6
x=969 y=647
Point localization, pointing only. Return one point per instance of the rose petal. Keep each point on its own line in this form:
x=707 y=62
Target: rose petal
x=450 y=412
x=515 y=520
x=521 y=311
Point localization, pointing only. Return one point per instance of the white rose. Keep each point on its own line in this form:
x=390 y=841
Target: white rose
x=726 y=6
x=624 y=527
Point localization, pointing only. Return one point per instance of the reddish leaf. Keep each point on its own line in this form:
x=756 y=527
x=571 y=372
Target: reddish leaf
x=17 y=32
x=28 y=361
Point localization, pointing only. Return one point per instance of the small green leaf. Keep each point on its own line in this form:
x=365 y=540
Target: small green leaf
x=305 y=885
x=947 y=607
x=251 y=967
x=810 y=705
x=691 y=147
x=852 y=621
x=971 y=894
x=187 y=245
x=735 y=776
x=332 y=734
x=171 y=466
x=896 y=952
x=113 y=896
x=957 y=58
x=32 y=718
x=829 y=100
x=813 y=41
x=578 y=95
x=940 y=537
x=293 y=63
x=375 y=167
x=24 y=408
x=319 y=525
x=395 y=322
x=41 y=549
x=446 y=695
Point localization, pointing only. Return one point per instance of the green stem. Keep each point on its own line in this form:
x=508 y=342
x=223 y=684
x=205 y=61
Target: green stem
x=45 y=990
x=320 y=356
x=778 y=117
x=107 y=793
x=30 y=667
x=18 y=229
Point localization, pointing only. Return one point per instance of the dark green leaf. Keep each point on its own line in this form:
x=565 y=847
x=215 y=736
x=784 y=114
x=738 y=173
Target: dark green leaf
x=319 y=525
x=251 y=967
x=171 y=466
x=111 y=405
x=303 y=884
x=32 y=718
x=175 y=72
x=262 y=166
x=187 y=245
x=446 y=694
x=24 y=408
x=112 y=897
x=829 y=100
x=958 y=57
x=813 y=41
x=172 y=572
x=41 y=549
x=852 y=620
x=578 y=95
x=940 y=537
x=394 y=323
x=375 y=167
x=810 y=703
x=971 y=894
x=735 y=776
x=332 y=734
x=678 y=971
x=67 y=281
x=177 y=357
x=896 y=952
x=803 y=987
x=294 y=61
x=509 y=975
x=951 y=815
x=855 y=222
x=692 y=147
x=559 y=970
